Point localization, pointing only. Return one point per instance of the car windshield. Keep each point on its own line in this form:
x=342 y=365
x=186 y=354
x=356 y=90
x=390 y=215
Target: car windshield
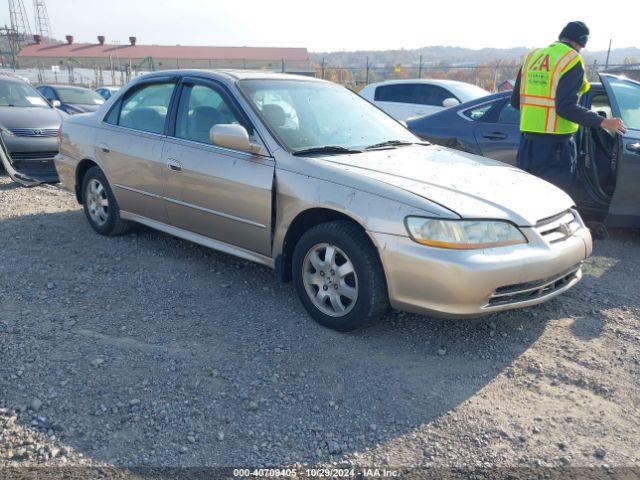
x=17 y=94
x=627 y=95
x=467 y=92
x=313 y=115
x=79 y=95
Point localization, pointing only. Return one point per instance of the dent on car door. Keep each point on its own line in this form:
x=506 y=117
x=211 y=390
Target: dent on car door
x=625 y=103
x=217 y=192
x=498 y=133
x=129 y=146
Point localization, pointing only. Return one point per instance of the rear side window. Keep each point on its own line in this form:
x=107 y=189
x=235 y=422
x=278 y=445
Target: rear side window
x=146 y=108
x=417 y=93
x=478 y=113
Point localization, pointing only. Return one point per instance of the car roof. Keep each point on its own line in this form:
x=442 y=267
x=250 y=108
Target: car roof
x=7 y=77
x=428 y=81
x=230 y=74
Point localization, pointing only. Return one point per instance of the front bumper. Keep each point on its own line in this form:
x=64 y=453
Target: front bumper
x=29 y=161
x=457 y=283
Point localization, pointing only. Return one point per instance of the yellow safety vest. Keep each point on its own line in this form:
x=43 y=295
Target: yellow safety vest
x=541 y=74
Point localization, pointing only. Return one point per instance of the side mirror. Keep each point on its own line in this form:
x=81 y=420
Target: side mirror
x=450 y=102
x=55 y=103
x=234 y=137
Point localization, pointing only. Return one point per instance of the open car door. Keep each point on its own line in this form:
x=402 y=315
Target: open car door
x=624 y=95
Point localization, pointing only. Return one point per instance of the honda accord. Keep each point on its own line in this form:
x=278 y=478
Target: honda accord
x=308 y=178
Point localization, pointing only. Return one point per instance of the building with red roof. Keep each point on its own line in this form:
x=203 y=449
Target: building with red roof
x=162 y=57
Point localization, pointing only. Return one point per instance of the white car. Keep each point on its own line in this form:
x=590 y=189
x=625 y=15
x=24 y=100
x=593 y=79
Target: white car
x=405 y=99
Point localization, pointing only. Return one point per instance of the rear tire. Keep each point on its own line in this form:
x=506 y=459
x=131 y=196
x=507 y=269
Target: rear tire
x=339 y=278
x=100 y=206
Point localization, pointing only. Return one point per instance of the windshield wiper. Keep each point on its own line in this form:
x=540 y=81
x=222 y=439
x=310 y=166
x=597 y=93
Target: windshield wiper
x=327 y=149
x=388 y=143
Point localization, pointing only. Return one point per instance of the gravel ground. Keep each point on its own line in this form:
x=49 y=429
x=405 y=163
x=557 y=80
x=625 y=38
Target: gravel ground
x=149 y=350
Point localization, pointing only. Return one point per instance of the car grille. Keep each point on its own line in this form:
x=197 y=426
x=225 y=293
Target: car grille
x=34 y=132
x=523 y=292
x=559 y=227
x=18 y=156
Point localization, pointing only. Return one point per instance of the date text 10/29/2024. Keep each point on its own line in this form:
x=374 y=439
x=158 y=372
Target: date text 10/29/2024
x=315 y=473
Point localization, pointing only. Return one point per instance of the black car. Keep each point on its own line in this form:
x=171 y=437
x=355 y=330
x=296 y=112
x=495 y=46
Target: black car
x=608 y=170
x=29 y=128
x=71 y=100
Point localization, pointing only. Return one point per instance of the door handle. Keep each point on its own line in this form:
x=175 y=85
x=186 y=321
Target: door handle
x=174 y=165
x=104 y=148
x=634 y=147
x=495 y=136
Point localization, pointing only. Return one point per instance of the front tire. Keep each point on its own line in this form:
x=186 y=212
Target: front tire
x=339 y=278
x=100 y=206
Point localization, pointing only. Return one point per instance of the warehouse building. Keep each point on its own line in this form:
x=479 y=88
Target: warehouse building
x=133 y=56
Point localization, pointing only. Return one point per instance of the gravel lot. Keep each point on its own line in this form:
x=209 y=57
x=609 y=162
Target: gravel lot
x=149 y=350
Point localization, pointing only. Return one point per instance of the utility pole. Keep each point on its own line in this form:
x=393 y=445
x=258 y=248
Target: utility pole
x=606 y=65
x=322 y=68
x=420 y=68
x=366 y=79
x=43 y=25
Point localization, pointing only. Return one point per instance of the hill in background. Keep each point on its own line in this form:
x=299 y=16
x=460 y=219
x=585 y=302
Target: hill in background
x=454 y=56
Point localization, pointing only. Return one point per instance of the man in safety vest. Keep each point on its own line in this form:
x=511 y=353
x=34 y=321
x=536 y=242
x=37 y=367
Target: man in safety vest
x=547 y=91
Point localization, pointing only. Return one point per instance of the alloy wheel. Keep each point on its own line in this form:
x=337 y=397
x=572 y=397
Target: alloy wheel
x=97 y=202
x=330 y=280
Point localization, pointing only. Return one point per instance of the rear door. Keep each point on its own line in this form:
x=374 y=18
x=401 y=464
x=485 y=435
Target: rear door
x=625 y=103
x=498 y=132
x=129 y=145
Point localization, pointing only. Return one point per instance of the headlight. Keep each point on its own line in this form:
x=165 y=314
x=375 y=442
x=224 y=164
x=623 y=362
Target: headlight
x=463 y=234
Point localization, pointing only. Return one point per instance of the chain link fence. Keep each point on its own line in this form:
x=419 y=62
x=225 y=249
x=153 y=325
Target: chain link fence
x=490 y=77
x=499 y=76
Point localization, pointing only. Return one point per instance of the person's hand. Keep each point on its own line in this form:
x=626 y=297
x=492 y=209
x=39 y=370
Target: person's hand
x=614 y=125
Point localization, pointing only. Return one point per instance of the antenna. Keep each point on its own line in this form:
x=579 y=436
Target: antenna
x=19 y=20
x=43 y=25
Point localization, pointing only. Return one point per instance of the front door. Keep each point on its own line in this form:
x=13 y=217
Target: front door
x=625 y=103
x=130 y=144
x=220 y=193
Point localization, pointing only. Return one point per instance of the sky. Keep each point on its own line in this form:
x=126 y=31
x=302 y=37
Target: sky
x=329 y=25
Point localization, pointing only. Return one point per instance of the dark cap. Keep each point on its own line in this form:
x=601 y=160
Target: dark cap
x=576 y=31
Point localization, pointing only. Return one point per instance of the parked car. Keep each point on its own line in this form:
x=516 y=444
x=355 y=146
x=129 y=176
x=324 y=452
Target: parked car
x=107 y=92
x=405 y=99
x=28 y=130
x=71 y=100
x=608 y=166
x=339 y=197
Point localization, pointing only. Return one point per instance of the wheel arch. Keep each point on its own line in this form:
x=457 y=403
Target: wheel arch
x=82 y=168
x=301 y=223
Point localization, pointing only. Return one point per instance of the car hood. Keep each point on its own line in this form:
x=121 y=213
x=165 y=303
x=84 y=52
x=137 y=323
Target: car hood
x=28 y=117
x=469 y=185
x=82 y=107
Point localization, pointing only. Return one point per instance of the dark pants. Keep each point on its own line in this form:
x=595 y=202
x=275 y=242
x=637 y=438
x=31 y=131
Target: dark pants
x=550 y=159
